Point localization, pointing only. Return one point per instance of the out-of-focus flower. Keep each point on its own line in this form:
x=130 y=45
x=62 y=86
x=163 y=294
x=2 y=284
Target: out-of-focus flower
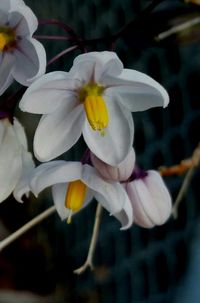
x=15 y=161
x=95 y=98
x=22 y=57
x=150 y=198
x=74 y=185
x=118 y=173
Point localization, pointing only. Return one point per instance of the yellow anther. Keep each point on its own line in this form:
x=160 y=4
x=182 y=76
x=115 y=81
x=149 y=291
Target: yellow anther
x=96 y=112
x=7 y=38
x=75 y=197
x=3 y=41
x=95 y=106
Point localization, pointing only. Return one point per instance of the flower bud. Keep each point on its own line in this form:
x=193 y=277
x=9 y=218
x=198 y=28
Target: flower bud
x=150 y=199
x=118 y=173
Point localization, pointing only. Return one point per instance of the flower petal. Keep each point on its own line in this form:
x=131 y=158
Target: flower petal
x=3 y=17
x=20 y=133
x=30 y=61
x=22 y=186
x=10 y=159
x=126 y=215
x=160 y=194
x=23 y=20
x=59 y=193
x=115 y=145
x=47 y=93
x=111 y=195
x=58 y=132
x=6 y=66
x=54 y=172
x=136 y=91
x=143 y=205
x=94 y=65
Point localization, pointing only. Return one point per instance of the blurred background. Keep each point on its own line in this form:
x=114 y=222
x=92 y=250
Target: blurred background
x=159 y=265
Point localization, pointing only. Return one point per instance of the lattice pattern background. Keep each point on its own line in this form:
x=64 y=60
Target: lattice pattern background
x=138 y=265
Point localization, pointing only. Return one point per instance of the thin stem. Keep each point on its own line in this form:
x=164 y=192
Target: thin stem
x=95 y=233
x=18 y=233
x=182 y=191
x=47 y=37
x=64 y=52
x=178 y=28
x=60 y=24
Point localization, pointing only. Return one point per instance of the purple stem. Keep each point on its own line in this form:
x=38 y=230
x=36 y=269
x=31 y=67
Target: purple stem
x=64 y=52
x=46 y=37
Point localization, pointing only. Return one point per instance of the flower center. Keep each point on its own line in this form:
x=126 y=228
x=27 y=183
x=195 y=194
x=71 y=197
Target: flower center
x=7 y=38
x=95 y=106
x=75 y=196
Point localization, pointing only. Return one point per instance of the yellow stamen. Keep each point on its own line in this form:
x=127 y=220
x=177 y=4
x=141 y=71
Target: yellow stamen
x=96 y=112
x=7 y=38
x=75 y=197
x=95 y=106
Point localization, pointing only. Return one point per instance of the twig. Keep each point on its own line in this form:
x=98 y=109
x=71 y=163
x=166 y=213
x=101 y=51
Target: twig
x=4 y=243
x=178 y=28
x=64 y=52
x=95 y=233
x=182 y=191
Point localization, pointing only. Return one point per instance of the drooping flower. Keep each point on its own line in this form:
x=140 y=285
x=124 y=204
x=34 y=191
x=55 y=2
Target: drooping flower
x=120 y=172
x=74 y=185
x=149 y=197
x=15 y=161
x=22 y=57
x=95 y=98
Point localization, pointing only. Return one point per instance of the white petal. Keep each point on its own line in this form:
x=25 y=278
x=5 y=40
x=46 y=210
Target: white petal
x=136 y=90
x=95 y=65
x=47 y=93
x=113 y=195
x=23 y=20
x=30 y=61
x=59 y=193
x=20 y=133
x=10 y=160
x=58 y=132
x=126 y=215
x=54 y=172
x=114 y=147
x=5 y=5
x=160 y=195
x=6 y=67
x=16 y=3
x=3 y=17
x=144 y=207
x=22 y=186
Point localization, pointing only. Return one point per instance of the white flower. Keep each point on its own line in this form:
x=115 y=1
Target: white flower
x=150 y=199
x=15 y=161
x=74 y=185
x=21 y=57
x=95 y=99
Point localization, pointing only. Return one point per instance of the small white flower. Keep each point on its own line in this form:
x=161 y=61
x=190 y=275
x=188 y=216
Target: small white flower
x=150 y=199
x=15 y=161
x=74 y=185
x=95 y=99
x=22 y=57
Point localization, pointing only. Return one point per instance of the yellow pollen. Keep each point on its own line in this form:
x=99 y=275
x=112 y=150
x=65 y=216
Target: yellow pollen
x=96 y=112
x=95 y=107
x=7 y=38
x=75 y=197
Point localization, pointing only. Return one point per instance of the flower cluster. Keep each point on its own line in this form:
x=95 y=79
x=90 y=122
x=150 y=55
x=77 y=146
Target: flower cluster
x=95 y=99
